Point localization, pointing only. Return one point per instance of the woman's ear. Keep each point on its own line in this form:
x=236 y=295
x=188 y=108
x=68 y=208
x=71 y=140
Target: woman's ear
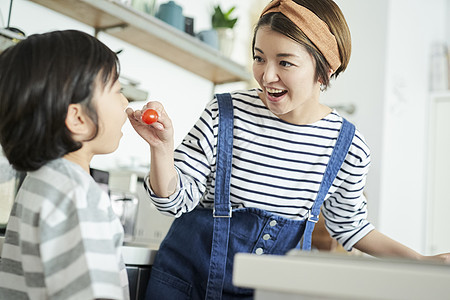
x=77 y=122
x=330 y=72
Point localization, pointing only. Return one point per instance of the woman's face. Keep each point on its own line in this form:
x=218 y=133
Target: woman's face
x=111 y=105
x=285 y=72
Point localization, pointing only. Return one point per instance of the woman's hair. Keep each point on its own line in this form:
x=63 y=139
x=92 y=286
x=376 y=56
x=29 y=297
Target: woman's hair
x=39 y=78
x=328 y=12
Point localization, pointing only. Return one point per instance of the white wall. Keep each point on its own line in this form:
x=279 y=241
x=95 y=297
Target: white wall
x=388 y=81
x=414 y=27
x=362 y=84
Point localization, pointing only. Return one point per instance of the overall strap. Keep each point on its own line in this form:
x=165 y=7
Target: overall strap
x=222 y=205
x=334 y=165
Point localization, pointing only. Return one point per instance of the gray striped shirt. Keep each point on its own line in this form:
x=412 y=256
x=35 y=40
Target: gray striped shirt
x=63 y=240
x=277 y=166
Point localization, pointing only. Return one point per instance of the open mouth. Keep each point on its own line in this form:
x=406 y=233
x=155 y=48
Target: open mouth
x=276 y=92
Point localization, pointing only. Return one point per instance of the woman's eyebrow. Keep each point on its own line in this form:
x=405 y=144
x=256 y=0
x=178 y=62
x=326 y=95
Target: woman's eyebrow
x=286 y=55
x=279 y=54
x=259 y=50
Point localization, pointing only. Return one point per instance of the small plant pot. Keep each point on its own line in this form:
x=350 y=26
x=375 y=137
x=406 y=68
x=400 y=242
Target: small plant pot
x=226 y=40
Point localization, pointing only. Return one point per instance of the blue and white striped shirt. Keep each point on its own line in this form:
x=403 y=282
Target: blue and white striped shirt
x=277 y=166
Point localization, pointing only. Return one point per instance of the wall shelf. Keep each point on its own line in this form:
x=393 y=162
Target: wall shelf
x=152 y=35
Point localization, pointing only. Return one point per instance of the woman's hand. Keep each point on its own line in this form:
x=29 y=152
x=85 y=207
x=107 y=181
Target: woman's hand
x=443 y=257
x=157 y=134
x=377 y=244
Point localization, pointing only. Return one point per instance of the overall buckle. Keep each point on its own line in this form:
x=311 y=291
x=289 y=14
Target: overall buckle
x=225 y=216
x=312 y=218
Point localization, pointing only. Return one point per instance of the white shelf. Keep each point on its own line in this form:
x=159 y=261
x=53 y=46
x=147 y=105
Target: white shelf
x=152 y=35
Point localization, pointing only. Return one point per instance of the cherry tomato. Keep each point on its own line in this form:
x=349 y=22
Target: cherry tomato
x=150 y=116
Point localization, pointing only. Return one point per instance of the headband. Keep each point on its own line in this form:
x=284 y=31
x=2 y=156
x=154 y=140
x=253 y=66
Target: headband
x=313 y=27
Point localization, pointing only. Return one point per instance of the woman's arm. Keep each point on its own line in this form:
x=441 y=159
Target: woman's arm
x=159 y=136
x=377 y=244
x=163 y=177
x=178 y=179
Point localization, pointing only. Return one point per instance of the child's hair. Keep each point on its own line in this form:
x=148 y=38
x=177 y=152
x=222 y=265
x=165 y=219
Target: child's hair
x=329 y=13
x=39 y=78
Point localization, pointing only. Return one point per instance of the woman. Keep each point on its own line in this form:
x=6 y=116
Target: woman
x=284 y=141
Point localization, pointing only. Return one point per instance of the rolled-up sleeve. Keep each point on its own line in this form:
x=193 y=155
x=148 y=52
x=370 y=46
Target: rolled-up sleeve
x=345 y=210
x=194 y=164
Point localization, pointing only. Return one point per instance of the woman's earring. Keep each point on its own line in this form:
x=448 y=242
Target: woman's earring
x=323 y=87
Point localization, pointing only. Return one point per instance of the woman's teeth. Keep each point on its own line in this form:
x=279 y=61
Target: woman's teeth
x=276 y=92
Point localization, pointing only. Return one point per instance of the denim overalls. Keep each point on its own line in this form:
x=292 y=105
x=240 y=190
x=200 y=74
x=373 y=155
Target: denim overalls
x=195 y=260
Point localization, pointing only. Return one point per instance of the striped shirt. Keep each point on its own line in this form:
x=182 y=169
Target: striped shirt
x=63 y=240
x=276 y=166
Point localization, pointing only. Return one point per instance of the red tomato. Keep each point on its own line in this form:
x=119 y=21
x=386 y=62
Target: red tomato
x=150 y=116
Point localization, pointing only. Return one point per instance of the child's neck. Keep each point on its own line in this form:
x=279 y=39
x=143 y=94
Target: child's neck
x=80 y=158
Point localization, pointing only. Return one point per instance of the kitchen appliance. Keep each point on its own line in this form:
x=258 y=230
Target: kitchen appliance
x=124 y=204
x=125 y=207
x=145 y=224
x=10 y=181
x=7 y=191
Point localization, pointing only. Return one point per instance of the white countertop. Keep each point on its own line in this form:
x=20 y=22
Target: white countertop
x=133 y=254
x=314 y=275
x=139 y=254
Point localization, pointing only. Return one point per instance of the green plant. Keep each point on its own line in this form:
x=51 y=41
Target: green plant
x=220 y=19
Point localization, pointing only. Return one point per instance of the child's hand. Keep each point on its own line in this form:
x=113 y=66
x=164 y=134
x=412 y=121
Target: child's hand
x=156 y=134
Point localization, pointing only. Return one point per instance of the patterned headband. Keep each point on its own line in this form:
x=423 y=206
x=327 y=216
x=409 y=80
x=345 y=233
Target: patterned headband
x=313 y=27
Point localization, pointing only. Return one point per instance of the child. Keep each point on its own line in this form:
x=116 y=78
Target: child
x=61 y=104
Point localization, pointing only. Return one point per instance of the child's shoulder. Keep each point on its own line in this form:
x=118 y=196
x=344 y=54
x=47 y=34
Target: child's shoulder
x=55 y=191
x=63 y=171
x=59 y=177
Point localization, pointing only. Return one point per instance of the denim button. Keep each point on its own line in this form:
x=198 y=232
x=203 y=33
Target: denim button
x=266 y=237
x=273 y=223
x=259 y=251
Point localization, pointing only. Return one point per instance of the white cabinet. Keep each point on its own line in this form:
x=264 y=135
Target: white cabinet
x=438 y=221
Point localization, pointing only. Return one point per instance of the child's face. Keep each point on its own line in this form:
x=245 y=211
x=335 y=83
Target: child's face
x=111 y=105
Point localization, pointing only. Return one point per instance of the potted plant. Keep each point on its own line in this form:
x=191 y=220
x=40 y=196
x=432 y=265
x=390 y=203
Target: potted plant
x=223 y=20
x=223 y=23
